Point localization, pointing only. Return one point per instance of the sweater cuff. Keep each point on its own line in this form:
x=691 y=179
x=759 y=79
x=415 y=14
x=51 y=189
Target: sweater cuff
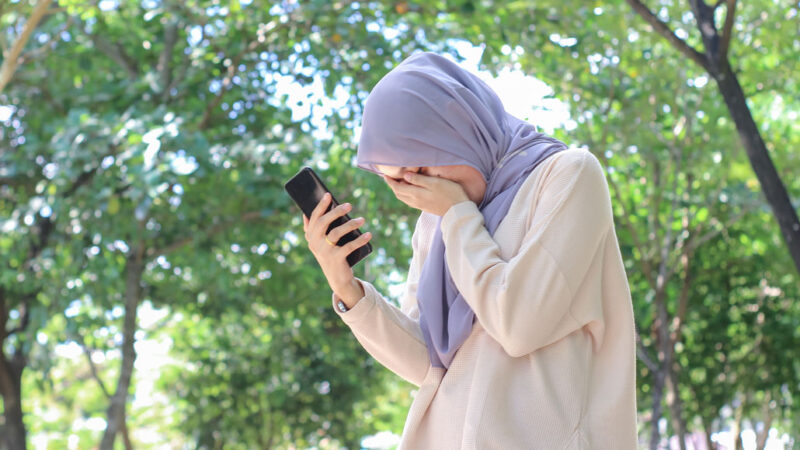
x=456 y=214
x=361 y=309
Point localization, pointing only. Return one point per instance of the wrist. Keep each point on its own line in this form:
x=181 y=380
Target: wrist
x=351 y=294
x=458 y=202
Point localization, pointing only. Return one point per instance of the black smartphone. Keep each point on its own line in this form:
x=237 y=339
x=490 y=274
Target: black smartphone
x=307 y=189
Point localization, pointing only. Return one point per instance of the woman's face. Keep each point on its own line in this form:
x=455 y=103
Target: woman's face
x=467 y=176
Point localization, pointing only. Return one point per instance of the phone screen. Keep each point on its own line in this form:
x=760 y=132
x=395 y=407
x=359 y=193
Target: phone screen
x=307 y=189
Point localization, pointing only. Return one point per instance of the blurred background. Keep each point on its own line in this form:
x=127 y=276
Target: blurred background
x=156 y=290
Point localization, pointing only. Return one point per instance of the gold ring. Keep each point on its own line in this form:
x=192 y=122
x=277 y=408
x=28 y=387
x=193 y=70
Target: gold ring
x=329 y=242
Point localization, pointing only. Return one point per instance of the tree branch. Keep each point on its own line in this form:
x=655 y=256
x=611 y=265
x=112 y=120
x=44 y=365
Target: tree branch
x=46 y=46
x=56 y=10
x=48 y=97
x=663 y=269
x=261 y=38
x=667 y=33
x=709 y=235
x=186 y=62
x=641 y=352
x=704 y=17
x=87 y=176
x=11 y=61
x=164 y=67
x=683 y=299
x=114 y=51
x=248 y=216
x=186 y=58
x=92 y=366
x=82 y=179
x=637 y=241
x=727 y=29
x=24 y=317
x=232 y=68
x=3 y=316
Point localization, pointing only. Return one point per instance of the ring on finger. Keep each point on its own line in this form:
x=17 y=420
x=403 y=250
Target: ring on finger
x=329 y=242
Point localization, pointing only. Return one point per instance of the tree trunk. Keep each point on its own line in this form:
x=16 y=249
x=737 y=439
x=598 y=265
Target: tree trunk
x=13 y=436
x=761 y=440
x=11 y=367
x=676 y=409
x=659 y=377
x=707 y=431
x=736 y=429
x=658 y=393
x=756 y=150
x=663 y=343
x=115 y=415
x=126 y=438
x=664 y=361
x=676 y=405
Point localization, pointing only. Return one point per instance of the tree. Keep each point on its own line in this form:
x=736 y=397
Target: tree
x=714 y=59
x=128 y=163
x=11 y=56
x=647 y=116
x=152 y=180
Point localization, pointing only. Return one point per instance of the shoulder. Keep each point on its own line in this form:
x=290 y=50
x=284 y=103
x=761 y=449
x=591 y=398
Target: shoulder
x=564 y=171
x=575 y=161
x=570 y=182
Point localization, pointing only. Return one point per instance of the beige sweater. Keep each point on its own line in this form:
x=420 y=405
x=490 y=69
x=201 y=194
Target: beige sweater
x=550 y=362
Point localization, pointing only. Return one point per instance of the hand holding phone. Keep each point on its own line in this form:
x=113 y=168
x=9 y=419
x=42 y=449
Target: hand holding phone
x=307 y=190
x=330 y=257
x=332 y=236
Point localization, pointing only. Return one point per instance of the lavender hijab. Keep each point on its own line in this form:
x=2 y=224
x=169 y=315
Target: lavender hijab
x=428 y=111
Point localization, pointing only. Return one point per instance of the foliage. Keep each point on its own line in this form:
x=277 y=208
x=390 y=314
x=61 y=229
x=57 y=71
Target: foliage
x=161 y=127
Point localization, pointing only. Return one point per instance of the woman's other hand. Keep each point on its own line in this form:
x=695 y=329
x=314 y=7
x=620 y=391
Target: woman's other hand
x=332 y=258
x=430 y=194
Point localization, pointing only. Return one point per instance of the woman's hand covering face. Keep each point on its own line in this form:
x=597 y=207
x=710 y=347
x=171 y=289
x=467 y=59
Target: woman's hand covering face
x=434 y=195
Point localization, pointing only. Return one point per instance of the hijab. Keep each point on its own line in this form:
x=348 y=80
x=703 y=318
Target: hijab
x=429 y=111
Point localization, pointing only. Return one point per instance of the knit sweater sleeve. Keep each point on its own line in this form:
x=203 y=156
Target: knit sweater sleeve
x=529 y=301
x=390 y=334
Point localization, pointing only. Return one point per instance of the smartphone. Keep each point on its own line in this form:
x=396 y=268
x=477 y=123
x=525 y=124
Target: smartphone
x=307 y=189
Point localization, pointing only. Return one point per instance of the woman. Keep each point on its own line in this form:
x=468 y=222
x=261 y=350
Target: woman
x=517 y=323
